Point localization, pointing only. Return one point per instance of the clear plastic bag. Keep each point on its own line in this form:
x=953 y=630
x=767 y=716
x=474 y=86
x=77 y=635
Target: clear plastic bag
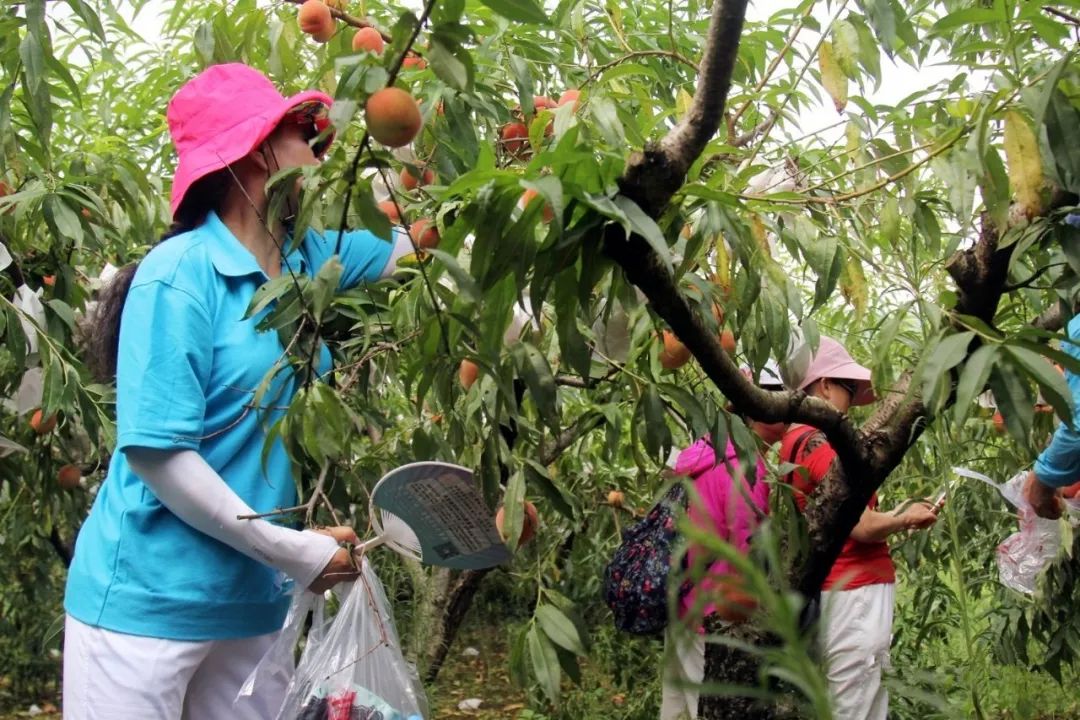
x=1022 y=556
x=1027 y=552
x=276 y=668
x=356 y=671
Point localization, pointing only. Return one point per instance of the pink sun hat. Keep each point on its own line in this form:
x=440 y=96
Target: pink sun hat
x=834 y=362
x=223 y=113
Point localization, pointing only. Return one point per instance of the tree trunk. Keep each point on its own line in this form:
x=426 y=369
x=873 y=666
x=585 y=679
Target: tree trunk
x=451 y=610
x=736 y=668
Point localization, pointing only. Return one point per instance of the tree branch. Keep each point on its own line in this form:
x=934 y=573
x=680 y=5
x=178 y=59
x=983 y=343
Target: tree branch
x=1053 y=318
x=653 y=175
x=1063 y=15
x=65 y=550
x=687 y=140
x=651 y=178
x=581 y=427
x=635 y=54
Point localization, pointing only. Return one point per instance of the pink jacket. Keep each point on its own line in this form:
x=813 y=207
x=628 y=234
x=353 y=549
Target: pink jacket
x=722 y=509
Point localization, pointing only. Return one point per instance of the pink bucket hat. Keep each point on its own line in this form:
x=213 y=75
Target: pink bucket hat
x=832 y=361
x=223 y=113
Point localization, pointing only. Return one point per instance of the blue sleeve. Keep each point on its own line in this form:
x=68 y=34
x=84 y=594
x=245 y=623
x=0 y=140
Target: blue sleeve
x=163 y=368
x=363 y=254
x=1059 y=463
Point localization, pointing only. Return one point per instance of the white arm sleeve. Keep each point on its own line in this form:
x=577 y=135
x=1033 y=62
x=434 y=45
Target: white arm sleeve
x=402 y=246
x=191 y=489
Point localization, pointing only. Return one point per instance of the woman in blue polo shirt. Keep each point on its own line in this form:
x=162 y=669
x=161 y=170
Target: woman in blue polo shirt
x=171 y=600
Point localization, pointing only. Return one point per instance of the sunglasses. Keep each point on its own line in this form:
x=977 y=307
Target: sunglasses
x=850 y=385
x=313 y=120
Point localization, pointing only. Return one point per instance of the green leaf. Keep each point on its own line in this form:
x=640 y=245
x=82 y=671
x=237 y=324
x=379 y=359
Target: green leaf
x=568 y=661
x=994 y=183
x=1062 y=122
x=93 y=22
x=572 y=344
x=451 y=64
x=559 y=629
x=603 y=110
x=1014 y=401
x=371 y=216
x=845 y=45
x=699 y=421
x=53 y=388
x=1052 y=383
x=948 y=353
x=967 y=16
x=541 y=480
x=62 y=220
x=514 y=509
x=657 y=433
x=527 y=11
x=32 y=55
x=882 y=18
x=545 y=663
x=643 y=225
x=517 y=657
x=1047 y=88
x=325 y=285
x=464 y=281
x=267 y=293
x=63 y=311
x=537 y=375
x=973 y=380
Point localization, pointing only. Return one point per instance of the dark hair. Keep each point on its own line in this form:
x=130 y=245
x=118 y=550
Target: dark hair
x=101 y=327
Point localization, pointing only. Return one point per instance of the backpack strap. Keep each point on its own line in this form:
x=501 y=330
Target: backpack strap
x=797 y=447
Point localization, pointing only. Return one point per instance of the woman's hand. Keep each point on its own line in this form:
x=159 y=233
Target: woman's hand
x=919 y=515
x=342 y=567
x=1045 y=500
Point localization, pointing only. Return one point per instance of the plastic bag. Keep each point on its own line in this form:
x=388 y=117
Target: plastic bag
x=1025 y=553
x=357 y=671
x=276 y=667
x=1022 y=556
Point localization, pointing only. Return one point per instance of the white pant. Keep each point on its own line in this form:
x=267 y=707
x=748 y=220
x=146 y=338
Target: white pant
x=113 y=676
x=684 y=671
x=856 y=631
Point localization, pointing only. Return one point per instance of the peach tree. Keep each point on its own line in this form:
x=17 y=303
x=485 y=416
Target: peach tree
x=614 y=207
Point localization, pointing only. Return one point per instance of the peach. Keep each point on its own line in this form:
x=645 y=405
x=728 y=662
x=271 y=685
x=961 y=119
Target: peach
x=392 y=116
x=368 y=39
x=315 y=19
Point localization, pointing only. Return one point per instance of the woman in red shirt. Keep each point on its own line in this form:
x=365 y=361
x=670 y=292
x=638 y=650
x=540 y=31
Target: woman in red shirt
x=858 y=595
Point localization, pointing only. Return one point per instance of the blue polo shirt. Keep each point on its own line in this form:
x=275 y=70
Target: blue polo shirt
x=187 y=371
x=1059 y=463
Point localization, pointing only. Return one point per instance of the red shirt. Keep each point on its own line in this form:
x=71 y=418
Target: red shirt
x=859 y=564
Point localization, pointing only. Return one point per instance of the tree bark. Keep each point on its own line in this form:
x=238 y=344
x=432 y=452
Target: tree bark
x=736 y=668
x=64 y=550
x=454 y=608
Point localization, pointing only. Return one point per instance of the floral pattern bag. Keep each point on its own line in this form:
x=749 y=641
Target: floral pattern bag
x=636 y=579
